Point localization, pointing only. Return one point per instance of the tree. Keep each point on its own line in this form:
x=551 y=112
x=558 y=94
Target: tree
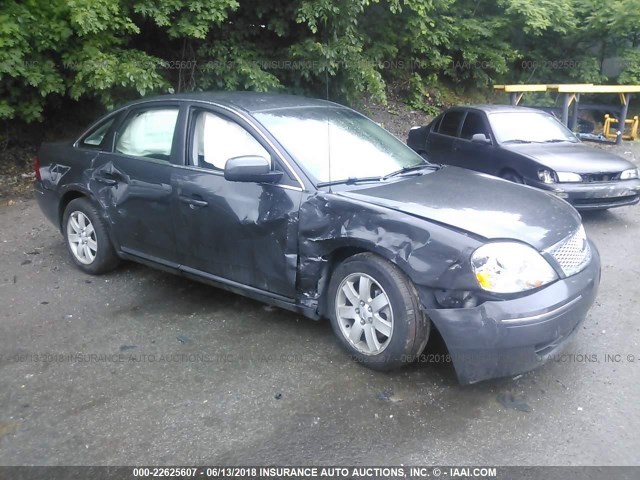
x=113 y=50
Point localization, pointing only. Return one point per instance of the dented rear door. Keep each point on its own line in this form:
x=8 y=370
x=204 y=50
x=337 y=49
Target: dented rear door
x=133 y=183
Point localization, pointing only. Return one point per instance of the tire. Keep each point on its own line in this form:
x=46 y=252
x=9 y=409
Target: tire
x=400 y=329
x=87 y=239
x=512 y=176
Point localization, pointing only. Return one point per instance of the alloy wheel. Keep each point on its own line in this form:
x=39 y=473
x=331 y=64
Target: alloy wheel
x=82 y=238
x=364 y=313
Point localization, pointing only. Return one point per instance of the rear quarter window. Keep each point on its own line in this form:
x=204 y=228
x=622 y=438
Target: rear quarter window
x=96 y=136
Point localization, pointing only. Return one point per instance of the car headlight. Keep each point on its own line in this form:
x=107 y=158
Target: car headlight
x=546 y=176
x=510 y=267
x=568 y=177
x=629 y=174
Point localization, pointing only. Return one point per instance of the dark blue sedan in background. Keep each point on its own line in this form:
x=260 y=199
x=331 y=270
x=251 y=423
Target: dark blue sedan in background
x=528 y=146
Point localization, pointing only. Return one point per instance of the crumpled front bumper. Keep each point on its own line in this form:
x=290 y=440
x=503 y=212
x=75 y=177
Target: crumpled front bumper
x=504 y=338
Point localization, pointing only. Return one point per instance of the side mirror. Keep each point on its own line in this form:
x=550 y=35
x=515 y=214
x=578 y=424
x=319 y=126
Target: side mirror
x=481 y=138
x=250 y=168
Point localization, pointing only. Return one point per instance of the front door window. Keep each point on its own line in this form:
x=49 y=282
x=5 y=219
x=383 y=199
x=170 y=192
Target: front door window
x=216 y=140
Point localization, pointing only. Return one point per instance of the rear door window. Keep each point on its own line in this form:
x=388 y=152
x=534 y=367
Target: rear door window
x=450 y=123
x=148 y=133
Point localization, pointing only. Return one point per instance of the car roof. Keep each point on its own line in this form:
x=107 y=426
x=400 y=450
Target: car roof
x=252 y=102
x=497 y=108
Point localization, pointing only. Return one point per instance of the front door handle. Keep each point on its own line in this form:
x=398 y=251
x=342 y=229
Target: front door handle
x=198 y=203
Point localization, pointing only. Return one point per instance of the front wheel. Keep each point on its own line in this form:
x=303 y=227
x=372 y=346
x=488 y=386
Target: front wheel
x=375 y=312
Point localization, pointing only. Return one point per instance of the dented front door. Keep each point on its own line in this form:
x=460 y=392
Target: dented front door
x=243 y=232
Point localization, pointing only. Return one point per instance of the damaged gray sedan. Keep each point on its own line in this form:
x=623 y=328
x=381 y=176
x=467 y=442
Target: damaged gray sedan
x=309 y=206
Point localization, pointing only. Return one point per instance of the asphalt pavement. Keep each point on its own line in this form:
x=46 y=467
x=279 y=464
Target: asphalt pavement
x=143 y=367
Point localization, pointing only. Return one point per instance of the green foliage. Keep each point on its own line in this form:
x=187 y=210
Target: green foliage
x=95 y=16
x=536 y=17
x=191 y=19
x=237 y=66
x=103 y=74
x=631 y=69
x=419 y=97
x=72 y=48
x=112 y=50
x=335 y=48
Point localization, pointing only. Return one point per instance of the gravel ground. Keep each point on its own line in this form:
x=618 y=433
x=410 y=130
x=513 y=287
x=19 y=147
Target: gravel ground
x=142 y=367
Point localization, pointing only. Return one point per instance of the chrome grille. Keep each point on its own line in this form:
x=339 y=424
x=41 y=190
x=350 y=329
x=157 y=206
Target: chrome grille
x=573 y=253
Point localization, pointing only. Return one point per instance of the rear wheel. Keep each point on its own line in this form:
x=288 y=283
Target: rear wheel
x=375 y=312
x=86 y=238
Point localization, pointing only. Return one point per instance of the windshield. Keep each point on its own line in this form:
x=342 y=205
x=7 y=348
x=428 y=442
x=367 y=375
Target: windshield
x=356 y=146
x=515 y=127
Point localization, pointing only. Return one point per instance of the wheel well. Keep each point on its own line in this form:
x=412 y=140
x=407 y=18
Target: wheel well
x=334 y=259
x=342 y=253
x=509 y=170
x=66 y=199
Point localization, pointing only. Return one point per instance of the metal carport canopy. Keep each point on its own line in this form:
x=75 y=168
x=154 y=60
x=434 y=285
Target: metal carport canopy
x=571 y=92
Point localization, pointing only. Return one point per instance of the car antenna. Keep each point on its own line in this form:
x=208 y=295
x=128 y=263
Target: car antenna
x=326 y=81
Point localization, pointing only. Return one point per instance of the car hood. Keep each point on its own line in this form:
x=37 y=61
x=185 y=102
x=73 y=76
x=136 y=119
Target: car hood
x=571 y=157
x=476 y=203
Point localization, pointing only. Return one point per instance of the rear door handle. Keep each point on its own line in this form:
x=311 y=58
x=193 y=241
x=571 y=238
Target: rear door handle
x=193 y=202
x=106 y=180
